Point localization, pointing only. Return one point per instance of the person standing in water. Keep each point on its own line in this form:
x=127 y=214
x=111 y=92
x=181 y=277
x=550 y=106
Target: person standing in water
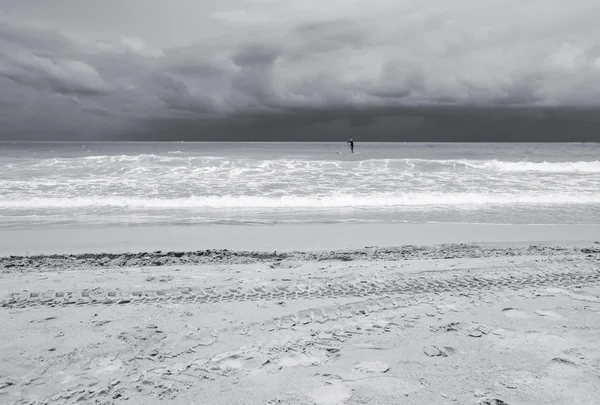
x=351 y=144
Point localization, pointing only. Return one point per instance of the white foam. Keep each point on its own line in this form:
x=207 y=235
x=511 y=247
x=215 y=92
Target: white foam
x=403 y=164
x=323 y=202
x=545 y=167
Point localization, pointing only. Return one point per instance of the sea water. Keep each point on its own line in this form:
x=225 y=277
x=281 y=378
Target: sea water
x=258 y=183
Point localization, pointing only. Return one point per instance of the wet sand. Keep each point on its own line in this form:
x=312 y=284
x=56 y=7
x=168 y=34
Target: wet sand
x=120 y=239
x=475 y=323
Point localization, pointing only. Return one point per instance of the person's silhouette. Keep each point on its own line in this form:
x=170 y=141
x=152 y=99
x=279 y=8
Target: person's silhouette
x=351 y=144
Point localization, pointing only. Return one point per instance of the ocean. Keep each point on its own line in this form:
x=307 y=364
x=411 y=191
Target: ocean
x=270 y=183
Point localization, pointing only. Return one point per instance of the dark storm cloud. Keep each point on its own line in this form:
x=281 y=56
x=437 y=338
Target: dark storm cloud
x=432 y=124
x=253 y=84
x=298 y=69
x=177 y=96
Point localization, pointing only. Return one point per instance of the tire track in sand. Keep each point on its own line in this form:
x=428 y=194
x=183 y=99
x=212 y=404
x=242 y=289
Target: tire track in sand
x=332 y=289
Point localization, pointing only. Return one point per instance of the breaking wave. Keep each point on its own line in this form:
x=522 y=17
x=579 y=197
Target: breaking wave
x=175 y=160
x=306 y=202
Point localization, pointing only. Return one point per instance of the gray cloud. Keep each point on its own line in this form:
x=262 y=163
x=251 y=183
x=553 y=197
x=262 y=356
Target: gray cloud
x=69 y=77
x=305 y=63
x=128 y=45
x=177 y=96
x=253 y=55
x=38 y=40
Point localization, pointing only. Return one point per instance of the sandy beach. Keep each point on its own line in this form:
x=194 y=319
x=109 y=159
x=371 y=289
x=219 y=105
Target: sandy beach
x=498 y=322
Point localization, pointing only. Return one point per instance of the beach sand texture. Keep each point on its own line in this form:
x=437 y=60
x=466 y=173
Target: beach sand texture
x=445 y=324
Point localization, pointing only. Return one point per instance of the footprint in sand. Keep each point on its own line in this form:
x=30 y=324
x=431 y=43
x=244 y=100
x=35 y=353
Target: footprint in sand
x=549 y=314
x=517 y=313
x=563 y=362
x=107 y=366
x=302 y=360
x=241 y=360
x=492 y=402
x=514 y=313
x=562 y=367
x=332 y=393
x=372 y=367
x=433 y=351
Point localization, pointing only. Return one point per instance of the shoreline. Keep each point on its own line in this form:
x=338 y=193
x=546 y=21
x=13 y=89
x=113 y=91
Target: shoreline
x=281 y=238
x=442 y=253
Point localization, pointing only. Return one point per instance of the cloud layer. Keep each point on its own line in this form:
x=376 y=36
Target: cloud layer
x=235 y=60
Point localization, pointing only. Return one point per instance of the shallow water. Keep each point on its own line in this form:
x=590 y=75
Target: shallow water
x=190 y=183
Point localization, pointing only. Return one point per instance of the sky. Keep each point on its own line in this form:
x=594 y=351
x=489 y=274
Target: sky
x=404 y=70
